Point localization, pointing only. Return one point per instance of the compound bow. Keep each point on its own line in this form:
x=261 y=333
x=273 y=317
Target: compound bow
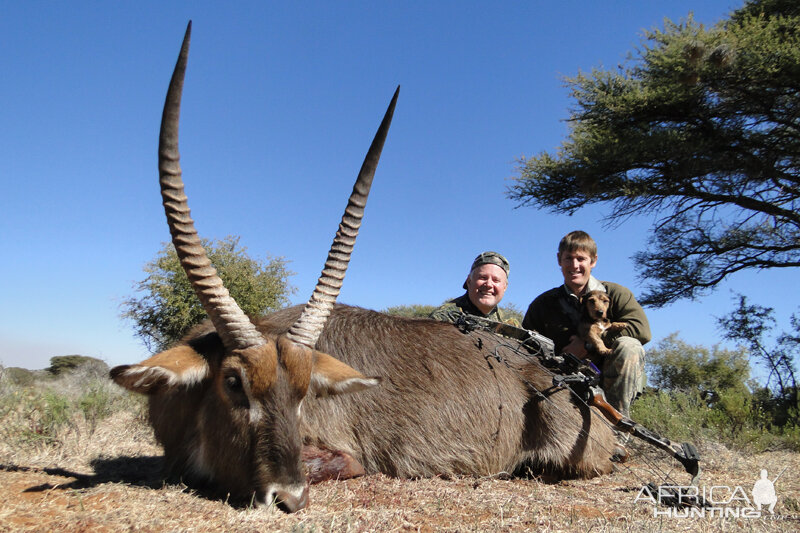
x=582 y=378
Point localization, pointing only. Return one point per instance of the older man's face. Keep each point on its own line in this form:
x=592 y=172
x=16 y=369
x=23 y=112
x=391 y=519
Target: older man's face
x=486 y=286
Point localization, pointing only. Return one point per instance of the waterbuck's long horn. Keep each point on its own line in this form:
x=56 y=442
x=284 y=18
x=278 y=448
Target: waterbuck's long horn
x=232 y=325
x=308 y=327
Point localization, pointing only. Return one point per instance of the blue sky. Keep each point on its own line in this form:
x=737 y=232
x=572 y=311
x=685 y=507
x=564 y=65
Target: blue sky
x=280 y=104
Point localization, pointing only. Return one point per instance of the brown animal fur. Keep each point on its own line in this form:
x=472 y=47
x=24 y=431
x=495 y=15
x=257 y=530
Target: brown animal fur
x=228 y=423
x=445 y=407
x=595 y=326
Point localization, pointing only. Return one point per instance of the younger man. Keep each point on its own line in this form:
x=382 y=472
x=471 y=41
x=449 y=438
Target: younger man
x=556 y=313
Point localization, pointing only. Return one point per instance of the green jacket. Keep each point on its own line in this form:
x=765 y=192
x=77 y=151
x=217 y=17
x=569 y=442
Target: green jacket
x=464 y=304
x=555 y=313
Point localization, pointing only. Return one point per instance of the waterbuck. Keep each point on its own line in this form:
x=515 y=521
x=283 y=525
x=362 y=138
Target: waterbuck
x=236 y=400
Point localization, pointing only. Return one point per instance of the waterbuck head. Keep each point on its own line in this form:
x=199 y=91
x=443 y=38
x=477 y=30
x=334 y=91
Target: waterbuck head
x=226 y=402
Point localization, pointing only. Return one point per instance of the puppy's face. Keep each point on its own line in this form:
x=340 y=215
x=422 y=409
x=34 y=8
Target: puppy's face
x=596 y=304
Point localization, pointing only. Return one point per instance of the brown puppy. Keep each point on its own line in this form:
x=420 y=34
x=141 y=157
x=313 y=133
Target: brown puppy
x=594 y=324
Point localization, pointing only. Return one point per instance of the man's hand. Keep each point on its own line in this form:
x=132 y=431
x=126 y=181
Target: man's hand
x=576 y=347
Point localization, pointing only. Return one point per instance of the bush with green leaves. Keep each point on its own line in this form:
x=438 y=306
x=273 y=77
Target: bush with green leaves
x=701 y=393
x=44 y=409
x=679 y=415
x=167 y=307
x=18 y=376
x=62 y=364
x=677 y=366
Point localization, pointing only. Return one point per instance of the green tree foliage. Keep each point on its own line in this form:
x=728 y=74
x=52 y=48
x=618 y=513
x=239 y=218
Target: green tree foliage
x=707 y=393
x=167 y=306
x=62 y=364
x=677 y=366
x=702 y=130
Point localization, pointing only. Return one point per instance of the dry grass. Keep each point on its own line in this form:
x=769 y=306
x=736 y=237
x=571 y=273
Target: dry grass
x=108 y=480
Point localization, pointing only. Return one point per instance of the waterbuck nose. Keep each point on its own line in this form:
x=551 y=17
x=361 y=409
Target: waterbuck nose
x=288 y=502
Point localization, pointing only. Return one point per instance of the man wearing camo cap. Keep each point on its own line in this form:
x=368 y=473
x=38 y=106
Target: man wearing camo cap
x=486 y=284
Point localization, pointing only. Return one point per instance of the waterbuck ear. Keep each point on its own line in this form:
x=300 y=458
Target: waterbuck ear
x=179 y=366
x=330 y=376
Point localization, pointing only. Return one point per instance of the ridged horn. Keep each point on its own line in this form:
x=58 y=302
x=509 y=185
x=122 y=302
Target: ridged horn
x=308 y=327
x=232 y=325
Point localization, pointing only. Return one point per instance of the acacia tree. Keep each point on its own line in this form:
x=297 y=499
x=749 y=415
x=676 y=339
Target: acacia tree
x=702 y=130
x=167 y=305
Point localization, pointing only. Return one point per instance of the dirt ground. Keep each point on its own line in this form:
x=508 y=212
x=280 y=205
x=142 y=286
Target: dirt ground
x=110 y=481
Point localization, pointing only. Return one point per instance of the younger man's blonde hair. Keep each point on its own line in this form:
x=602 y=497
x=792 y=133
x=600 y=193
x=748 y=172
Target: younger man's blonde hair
x=578 y=240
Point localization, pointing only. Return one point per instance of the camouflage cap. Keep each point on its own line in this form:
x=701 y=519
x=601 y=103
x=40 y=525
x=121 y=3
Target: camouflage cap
x=490 y=258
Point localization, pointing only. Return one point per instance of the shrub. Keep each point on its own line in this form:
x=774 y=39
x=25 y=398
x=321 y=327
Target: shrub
x=45 y=408
x=95 y=405
x=18 y=376
x=46 y=413
x=680 y=415
x=735 y=420
x=166 y=306
x=70 y=363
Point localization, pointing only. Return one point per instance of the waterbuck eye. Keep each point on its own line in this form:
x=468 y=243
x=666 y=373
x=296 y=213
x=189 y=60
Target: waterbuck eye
x=233 y=382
